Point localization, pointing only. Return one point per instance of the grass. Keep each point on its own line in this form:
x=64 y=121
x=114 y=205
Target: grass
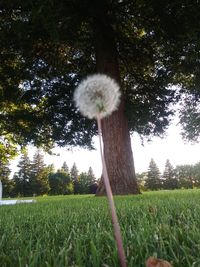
x=77 y=231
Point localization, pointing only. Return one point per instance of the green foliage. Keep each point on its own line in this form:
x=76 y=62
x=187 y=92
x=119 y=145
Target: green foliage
x=75 y=178
x=39 y=175
x=4 y=177
x=65 y=167
x=84 y=183
x=190 y=117
x=92 y=182
x=49 y=47
x=60 y=183
x=8 y=150
x=169 y=179
x=196 y=175
x=87 y=182
x=35 y=178
x=77 y=230
x=184 y=174
x=153 y=181
x=22 y=178
x=74 y=172
x=141 y=180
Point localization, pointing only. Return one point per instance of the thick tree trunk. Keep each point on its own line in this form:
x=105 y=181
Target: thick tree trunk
x=116 y=137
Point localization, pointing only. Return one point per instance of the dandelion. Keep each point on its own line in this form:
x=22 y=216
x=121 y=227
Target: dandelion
x=97 y=97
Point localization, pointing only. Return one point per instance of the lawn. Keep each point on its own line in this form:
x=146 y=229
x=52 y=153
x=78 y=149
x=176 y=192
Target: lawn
x=77 y=231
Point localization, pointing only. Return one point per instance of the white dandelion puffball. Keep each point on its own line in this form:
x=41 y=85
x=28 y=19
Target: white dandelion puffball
x=97 y=96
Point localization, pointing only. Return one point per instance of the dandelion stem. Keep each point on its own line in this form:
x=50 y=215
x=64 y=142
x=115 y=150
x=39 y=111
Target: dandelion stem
x=115 y=222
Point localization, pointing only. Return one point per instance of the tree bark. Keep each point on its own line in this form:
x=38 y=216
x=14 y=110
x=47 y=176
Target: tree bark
x=116 y=137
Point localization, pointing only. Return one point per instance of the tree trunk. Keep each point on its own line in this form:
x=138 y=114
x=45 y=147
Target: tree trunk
x=116 y=136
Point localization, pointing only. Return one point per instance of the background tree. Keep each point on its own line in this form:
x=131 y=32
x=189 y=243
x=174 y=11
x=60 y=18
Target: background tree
x=141 y=180
x=22 y=178
x=60 y=183
x=75 y=178
x=87 y=182
x=65 y=167
x=50 y=168
x=153 y=181
x=146 y=46
x=39 y=175
x=196 y=175
x=6 y=182
x=84 y=183
x=93 y=185
x=8 y=150
x=168 y=177
x=185 y=175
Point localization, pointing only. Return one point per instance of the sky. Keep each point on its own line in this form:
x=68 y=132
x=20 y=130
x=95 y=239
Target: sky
x=171 y=147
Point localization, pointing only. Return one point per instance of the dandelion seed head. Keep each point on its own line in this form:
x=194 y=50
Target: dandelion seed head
x=97 y=95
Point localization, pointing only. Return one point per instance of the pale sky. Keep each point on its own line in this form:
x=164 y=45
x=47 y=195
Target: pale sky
x=172 y=147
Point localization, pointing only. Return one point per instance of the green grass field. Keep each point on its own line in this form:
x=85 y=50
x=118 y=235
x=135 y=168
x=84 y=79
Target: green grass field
x=77 y=231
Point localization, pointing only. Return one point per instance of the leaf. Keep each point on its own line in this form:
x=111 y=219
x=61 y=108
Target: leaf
x=153 y=262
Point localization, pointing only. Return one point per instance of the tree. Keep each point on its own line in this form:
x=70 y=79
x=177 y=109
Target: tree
x=153 y=181
x=146 y=46
x=51 y=168
x=60 y=183
x=75 y=178
x=141 y=180
x=65 y=167
x=6 y=182
x=39 y=175
x=169 y=178
x=22 y=178
x=196 y=174
x=87 y=182
x=185 y=175
x=190 y=118
x=84 y=183
x=93 y=185
x=74 y=172
x=8 y=150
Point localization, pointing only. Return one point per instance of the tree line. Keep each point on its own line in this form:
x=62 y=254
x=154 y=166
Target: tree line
x=34 y=178
x=182 y=176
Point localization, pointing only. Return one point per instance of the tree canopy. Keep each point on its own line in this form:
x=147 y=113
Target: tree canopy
x=47 y=47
